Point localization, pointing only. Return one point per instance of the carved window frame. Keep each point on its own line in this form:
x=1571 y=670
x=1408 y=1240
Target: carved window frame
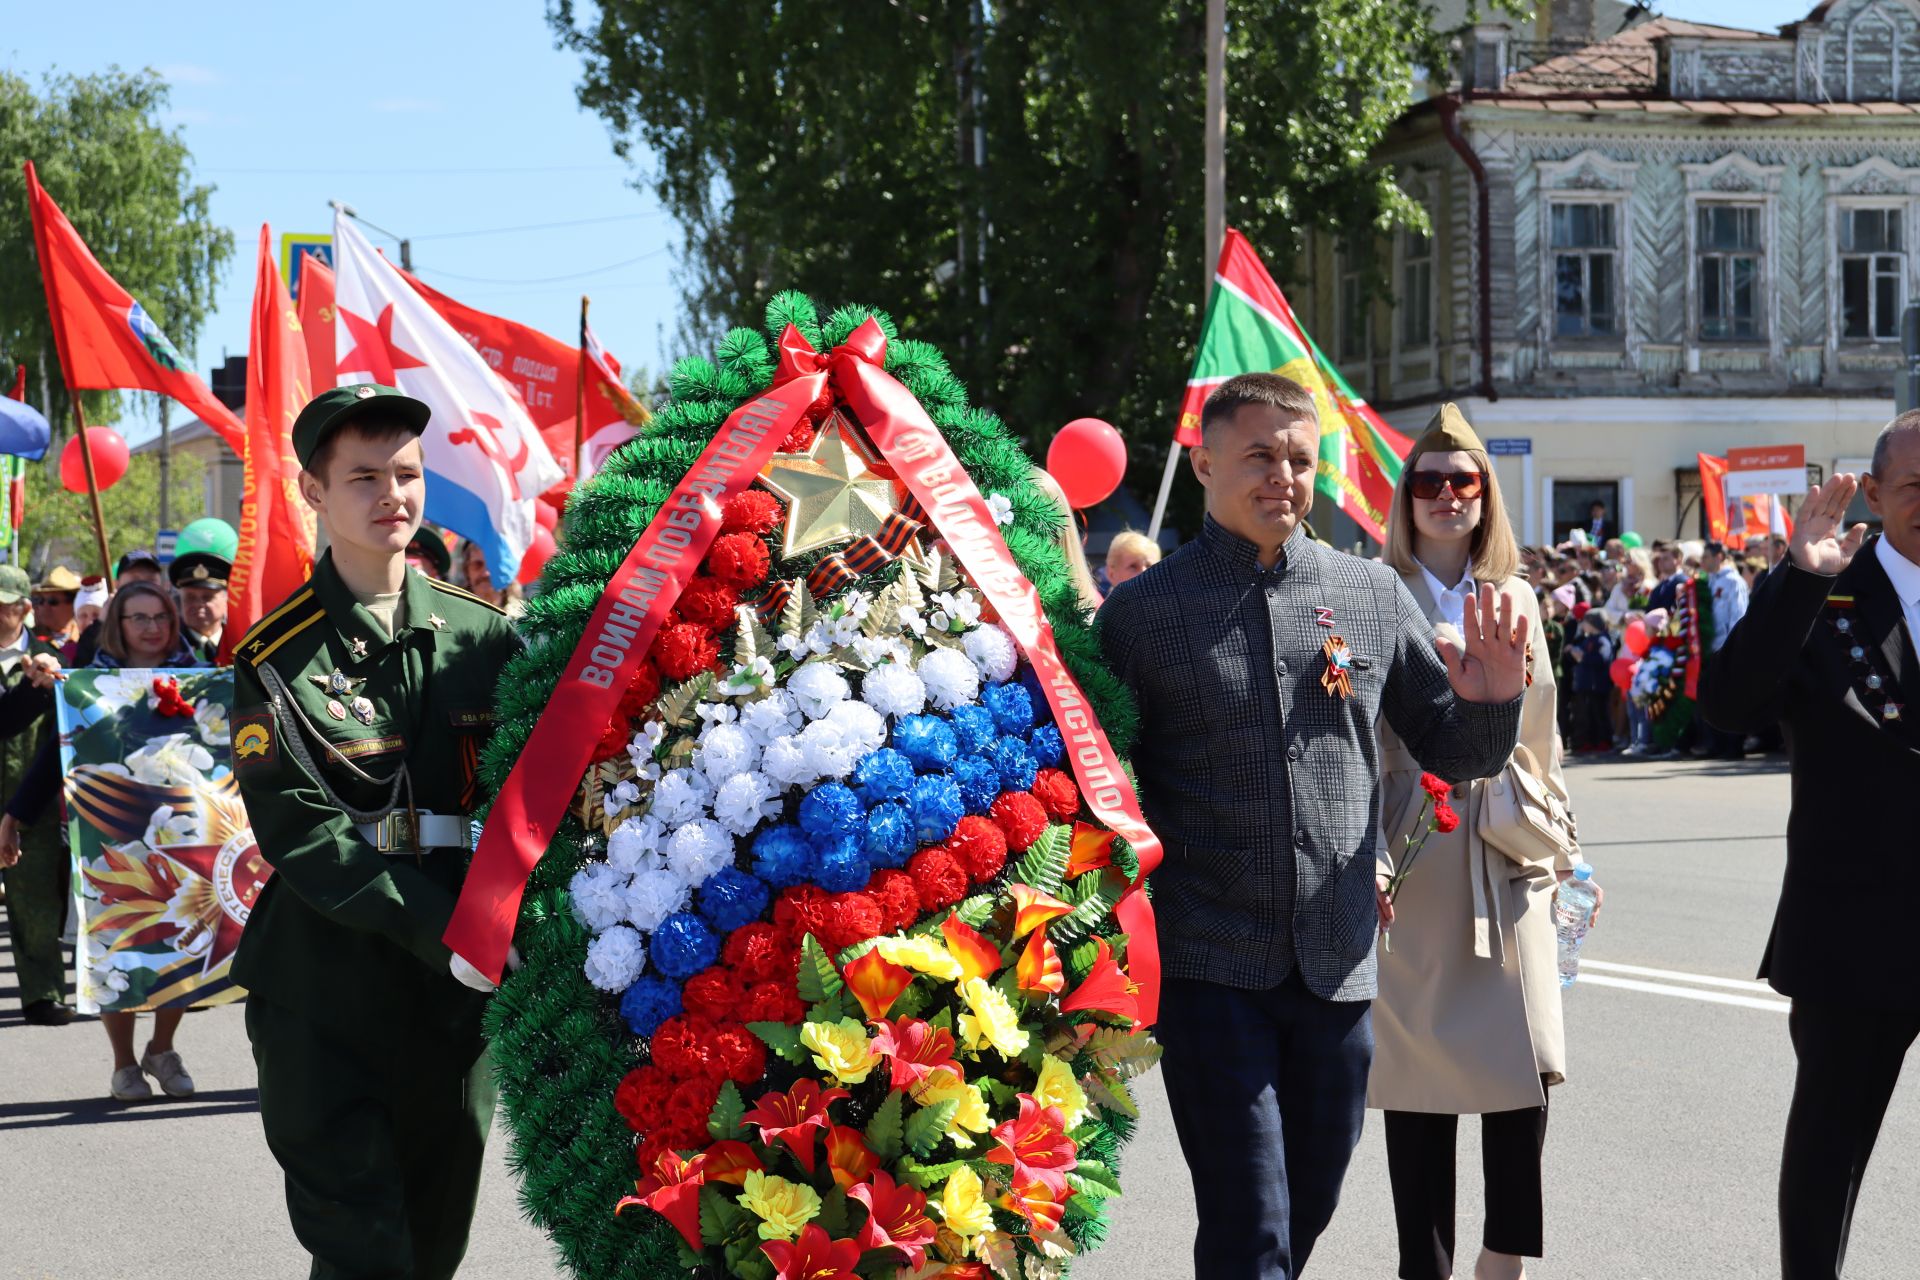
x=1349 y=265
x=1591 y=177
x=1735 y=179
x=1874 y=183
x=1877 y=14
x=1424 y=190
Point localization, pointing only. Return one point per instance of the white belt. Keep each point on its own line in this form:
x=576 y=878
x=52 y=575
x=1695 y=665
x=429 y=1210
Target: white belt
x=395 y=834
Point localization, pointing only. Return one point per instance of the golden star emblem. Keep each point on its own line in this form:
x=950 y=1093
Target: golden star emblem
x=832 y=491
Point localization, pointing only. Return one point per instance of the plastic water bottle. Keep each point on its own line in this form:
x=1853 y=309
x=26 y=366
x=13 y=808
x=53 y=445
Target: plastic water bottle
x=1573 y=904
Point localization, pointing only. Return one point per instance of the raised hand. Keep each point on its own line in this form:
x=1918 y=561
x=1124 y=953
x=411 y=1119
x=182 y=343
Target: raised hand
x=1821 y=542
x=1492 y=667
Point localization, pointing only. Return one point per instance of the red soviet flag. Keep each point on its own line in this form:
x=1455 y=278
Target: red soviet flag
x=316 y=322
x=106 y=341
x=276 y=527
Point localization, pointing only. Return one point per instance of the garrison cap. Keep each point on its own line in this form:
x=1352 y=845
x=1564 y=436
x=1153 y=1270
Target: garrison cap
x=1446 y=432
x=331 y=410
x=200 y=569
x=431 y=547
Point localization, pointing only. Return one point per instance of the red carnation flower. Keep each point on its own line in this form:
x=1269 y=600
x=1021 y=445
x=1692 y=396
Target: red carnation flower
x=680 y=1048
x=657 y=1144
x=938 y=877
x=751 y=511
x=898 y=900
x=642 y=1098
x=688 y=1108
x=1057 y=794
x=801 y=910
x=684 y=650
x=714 y=994
x=755 y=951
x=850 y=918
x=739 y=1056
x=708 y=602
x=1445 y=818
x=1435 y=786
x=798 y=440
x=739 y=558
x=980 y=845
x=773 y=1002
x=613 y=743
x=641 y=690
x=1021 y=817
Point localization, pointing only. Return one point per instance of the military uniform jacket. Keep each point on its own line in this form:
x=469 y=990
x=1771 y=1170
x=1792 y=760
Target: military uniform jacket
x=345 y=933
x=26 y=722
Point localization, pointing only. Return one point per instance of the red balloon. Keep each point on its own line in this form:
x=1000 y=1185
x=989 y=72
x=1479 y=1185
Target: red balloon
x=1089 y=459
x=1638 y=641
x=109 y=460
x=1622 y=671
x=538 y=554
x=544 y=513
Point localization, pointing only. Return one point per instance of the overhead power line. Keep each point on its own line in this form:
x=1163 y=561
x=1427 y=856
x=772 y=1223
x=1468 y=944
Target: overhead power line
x=572 y=275
x=537 y=226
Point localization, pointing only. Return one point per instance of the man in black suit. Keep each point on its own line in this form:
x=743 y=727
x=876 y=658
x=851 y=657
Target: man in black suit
x=1827 y=650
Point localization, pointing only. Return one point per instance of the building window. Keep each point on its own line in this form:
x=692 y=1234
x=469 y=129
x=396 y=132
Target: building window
x=1586 y=257
x=1873 y=269
x=1728 y=245
x=1352 y=304
x=1416 y=291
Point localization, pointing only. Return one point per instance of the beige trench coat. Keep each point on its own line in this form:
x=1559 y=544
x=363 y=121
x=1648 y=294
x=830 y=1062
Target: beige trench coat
x=1468 y=1017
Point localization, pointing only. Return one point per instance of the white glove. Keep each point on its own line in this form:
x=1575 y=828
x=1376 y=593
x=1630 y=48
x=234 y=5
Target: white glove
x=472 y=977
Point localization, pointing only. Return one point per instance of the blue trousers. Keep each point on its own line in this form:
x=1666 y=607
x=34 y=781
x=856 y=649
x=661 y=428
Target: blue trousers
x=1269 y=1089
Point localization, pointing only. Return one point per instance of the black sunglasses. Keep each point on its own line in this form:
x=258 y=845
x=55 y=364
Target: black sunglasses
x=1426 y=485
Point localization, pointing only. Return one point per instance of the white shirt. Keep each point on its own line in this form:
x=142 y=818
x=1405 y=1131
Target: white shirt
x=1452 y=600
x=11 y=654
x=1729 y=602
x=1905 y=575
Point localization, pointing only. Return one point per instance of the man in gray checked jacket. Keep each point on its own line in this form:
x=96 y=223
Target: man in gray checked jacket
x=1261 y=661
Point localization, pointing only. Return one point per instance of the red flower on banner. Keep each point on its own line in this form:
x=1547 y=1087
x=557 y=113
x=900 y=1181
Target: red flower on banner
x=913 y=1049
x=977 y=955
x=167 y=699
x=1107 y=988
x=814 y=1256
x=791 y=1118
x=1039 y=972
x=1035 y=1143
x=896 y=1218
x=672 y=1190
x=876 y=983
x=849 y=1157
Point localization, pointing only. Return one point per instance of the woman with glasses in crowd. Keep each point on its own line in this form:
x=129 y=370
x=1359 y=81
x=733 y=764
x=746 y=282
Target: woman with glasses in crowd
x=140 y=629
x=1468 y=1017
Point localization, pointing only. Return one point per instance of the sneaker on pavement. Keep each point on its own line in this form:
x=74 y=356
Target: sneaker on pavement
x=47 y=1013
x=130 y=1085
x=170 y=1072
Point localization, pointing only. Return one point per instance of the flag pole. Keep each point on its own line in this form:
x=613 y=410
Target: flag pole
x=580 y=400
x=1216 y=207
x=93 y=491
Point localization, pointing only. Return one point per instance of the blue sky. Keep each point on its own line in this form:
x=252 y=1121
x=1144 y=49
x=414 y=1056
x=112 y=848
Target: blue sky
x=434 y=120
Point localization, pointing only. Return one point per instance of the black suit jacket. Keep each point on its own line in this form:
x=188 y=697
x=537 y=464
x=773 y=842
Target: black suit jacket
x=1850 y=835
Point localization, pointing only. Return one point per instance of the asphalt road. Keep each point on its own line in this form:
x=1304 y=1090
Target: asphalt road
x=1661 y=1154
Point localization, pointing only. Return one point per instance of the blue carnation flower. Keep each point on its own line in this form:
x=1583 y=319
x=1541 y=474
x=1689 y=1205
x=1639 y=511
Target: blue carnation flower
x=883 y=775
x=840 y=863
x=979 y=783
x=1048 y=747
x=1029 y=679
x=1014 y=763
x=683 y=945
x=781 y=855
x=934 y=805
x=831 y=809
x=927 y=741
x=650 y=1002
x=889 y=839
x=1011 y=705
x=973 y=727
x=731 y=898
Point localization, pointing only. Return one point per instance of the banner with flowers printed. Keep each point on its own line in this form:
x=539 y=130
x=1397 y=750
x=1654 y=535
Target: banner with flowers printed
x=168 y=870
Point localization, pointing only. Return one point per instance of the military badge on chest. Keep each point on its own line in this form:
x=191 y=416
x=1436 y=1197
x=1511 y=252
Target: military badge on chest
x=1873 y=686
x=343 y=696
x=1337 y=679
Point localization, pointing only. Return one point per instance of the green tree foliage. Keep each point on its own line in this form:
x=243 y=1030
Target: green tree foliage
x=58 y=526
x=124 y=180
x=802 y=147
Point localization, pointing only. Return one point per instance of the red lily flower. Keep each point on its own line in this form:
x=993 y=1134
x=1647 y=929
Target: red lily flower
x=848 y=1156
x=730 y=1162
x=672 y=1190
x=792 y=1117
x=1038 y=972
x=1032 y=908
x=977 y=955
x=877 y=982
x=814 y=1256
x=914 y=1049
x=1040 y=1201
x=896 y=1218
x=1107 y=988
x=1035 y=1143
x=1092 y=849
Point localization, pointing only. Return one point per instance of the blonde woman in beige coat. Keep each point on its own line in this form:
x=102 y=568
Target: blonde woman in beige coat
x=1468 y=1017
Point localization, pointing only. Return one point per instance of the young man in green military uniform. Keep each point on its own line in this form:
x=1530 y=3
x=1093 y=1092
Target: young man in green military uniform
x=200 y=578
x=360 y=705
x=37 y=873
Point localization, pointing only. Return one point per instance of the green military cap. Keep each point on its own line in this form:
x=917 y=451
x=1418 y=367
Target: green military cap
x=200 y=569
x=431 y=547
x=15 y=585
x=1446 y=432
x=330 y=410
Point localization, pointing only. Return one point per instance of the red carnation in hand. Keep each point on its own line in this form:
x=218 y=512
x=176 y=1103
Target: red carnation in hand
x=1445 y=818
x=850 y=918
x=685 y=650
x=642 y=1098
x=1057 y=794
x=980 y=845
x=938 y=877
x=1019 y=815
x=714 y=994
x=899 y=902
x=756 y=952
x=739 y=558
x=1435 y=786
x=773 y=1002
x=751 y=511
x=708 y=602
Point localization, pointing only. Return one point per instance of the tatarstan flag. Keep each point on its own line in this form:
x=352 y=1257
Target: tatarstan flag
x=1250 y=329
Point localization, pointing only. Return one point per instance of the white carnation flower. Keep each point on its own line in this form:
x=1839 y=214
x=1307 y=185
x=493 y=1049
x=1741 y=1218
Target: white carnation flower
x=653 y=895
x=616 y=959
x=893 y=690
x=681 y=796
x=699 y=849
x=993 y=652
x=599 y=894
x=725 y=751
x=864 y=728
x=786 y=762
x=816 y=687
x=950 y=678
x=744 y=801
x=829 y=752
x=774 y=716
x=632 y=840
x=1001 y=508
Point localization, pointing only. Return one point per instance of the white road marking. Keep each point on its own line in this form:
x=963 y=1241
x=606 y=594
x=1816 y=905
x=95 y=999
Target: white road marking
x=1674 y=975
x=1685 y=993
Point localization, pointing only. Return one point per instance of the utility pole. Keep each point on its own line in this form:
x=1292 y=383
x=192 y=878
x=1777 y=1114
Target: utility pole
x=166 y=458
x=1216 y=208
x=406 y=246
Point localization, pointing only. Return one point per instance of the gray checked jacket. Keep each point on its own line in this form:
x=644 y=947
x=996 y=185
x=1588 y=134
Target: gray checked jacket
x=1262 y=785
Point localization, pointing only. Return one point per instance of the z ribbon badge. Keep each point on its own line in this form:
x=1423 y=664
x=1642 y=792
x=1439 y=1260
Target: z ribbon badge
x=1337 y=679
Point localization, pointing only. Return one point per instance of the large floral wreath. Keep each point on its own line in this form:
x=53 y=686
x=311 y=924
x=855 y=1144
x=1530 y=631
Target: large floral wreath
x=822 y=976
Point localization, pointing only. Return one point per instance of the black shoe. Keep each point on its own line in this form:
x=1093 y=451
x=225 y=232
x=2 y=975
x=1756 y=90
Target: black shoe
x=47 y=1013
